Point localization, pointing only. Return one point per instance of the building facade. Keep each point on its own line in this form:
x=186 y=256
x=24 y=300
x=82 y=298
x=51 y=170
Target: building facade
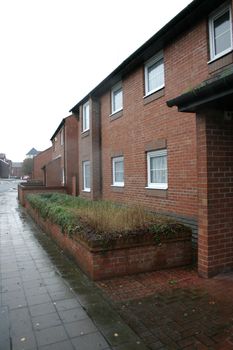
x=135 y=148
x=62 y=169
x=39 y=163
x=5 y=166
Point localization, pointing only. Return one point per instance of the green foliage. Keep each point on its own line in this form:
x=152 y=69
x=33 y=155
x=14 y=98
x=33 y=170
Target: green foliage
x=27 y=166
x=94 y=220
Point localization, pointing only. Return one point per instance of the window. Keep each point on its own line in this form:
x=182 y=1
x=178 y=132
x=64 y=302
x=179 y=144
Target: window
x=157 y=169
x=62 y=137
x=154 y=74
x=117 y=98
x=86 y=117
x=220 y=32
x=63 y=176
x=118 y=171
x=86 y=176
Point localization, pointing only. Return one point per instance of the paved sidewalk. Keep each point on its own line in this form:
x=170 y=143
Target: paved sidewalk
x=46 y=303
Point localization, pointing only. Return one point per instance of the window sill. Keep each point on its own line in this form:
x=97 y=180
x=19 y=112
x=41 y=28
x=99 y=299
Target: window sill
x=116 y=115
x=117 y=111
x=220 y=56
x=121 y=186
x=85 y=133
x=220 y=63
x=87 y=191
x=157 y=188
x=154 y=95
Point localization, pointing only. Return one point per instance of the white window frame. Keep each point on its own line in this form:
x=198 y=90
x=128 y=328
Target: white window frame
x=115 y=88
x=114 y=161
x=159 y=56
x=212 y=18
x=63 y=176
x=85 y=188
x=62 y=137
x=85 y=117
x=153 y=185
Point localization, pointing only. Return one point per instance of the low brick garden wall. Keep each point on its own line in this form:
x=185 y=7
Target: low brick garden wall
x=25 y=188
x=99 y=261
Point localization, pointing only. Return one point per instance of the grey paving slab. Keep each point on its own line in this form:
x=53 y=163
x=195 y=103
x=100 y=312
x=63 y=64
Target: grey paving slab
x=4 y=329
x=50 y=335
x=88 y=341
x=63 y=345
x=42 y=309
x=75 y=329
x=24 y=341
x=67 y=304
x=72 y=315
x=38 y=299
x=47 y=302
x=46 y=321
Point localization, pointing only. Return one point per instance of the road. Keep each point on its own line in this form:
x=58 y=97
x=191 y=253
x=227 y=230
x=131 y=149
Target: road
x=8 y=185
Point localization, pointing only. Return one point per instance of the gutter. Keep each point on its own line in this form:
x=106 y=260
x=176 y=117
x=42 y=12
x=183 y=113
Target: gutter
x=209 y=90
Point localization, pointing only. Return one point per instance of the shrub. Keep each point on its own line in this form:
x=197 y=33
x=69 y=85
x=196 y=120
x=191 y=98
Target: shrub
x=95 y=220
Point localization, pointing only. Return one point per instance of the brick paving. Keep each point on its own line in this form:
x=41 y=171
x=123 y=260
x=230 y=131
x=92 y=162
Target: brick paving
x=176 y=309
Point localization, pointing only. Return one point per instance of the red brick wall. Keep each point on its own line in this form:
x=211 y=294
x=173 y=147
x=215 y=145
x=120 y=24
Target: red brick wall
x=24 y=190
x=57 y=147
x=215 y=183
x=71 y=133
x=99 y=264
x=85 y=151
x=39 y=162
x=54 y=173
x=90 y=150
x=148 y=121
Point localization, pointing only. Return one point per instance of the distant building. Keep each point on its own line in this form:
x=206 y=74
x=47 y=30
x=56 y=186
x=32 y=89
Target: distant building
x=39 y=163
x=58 y=165
x=32 y=153
x=16 y=169
x=4 y=166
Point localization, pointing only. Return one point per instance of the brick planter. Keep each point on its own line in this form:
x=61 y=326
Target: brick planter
x=123 y=258
x=28 y=188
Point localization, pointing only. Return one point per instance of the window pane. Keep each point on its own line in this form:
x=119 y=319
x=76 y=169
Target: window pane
x=86 y=117
x=156 y=75
x=222 y=33
x=86 y=175
x=117 y=99
x=158 y=169
x=119 y=171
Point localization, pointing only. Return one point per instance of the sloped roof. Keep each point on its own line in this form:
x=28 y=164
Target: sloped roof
x=184 y=20
x=32 y=152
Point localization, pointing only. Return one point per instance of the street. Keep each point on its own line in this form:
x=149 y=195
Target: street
x=8 y=185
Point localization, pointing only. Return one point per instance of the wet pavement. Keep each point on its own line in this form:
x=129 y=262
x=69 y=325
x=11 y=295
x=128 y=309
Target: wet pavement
x=176 y=309
x=46 y=302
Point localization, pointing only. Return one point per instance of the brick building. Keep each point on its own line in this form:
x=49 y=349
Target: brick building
x=62 y=167
x=5 y=166
x=39 y=163
x=16 y=169
x=134 y=148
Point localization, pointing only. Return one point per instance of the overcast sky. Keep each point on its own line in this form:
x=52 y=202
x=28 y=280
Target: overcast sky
x=53 y=52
